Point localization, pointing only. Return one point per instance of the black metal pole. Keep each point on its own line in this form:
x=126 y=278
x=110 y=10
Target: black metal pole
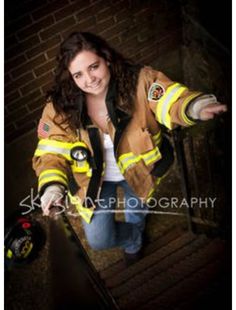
x=181 y=160
x=76 y=283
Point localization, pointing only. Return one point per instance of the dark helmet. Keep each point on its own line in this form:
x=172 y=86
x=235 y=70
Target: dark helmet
x=23 y=240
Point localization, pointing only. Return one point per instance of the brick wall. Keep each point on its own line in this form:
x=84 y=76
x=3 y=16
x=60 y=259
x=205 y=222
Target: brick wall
x=207 y=47
x=142 y=30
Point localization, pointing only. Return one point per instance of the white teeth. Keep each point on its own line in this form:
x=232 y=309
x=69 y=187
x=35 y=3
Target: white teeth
x=95 y=86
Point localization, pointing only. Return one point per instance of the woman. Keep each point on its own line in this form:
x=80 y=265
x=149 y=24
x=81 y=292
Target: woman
x=101 y=128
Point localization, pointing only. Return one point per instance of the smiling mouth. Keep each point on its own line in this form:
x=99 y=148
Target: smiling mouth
x=95 y=85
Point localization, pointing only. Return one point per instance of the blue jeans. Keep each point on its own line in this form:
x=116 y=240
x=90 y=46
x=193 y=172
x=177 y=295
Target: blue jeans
x=105 y=232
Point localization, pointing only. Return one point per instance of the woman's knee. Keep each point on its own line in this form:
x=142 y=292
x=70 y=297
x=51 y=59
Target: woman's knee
x=97 y=242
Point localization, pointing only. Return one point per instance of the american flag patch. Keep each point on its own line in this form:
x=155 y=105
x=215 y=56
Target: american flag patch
x=43 y=129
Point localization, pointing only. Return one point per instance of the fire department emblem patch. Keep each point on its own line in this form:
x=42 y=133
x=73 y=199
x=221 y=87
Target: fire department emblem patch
x=156 y=91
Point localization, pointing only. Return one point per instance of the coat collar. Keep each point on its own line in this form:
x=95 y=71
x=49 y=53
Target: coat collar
x=116 y=114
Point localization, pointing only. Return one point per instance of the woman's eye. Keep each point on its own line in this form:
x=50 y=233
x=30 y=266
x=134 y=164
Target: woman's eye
x=94 y=67
x=76 y=76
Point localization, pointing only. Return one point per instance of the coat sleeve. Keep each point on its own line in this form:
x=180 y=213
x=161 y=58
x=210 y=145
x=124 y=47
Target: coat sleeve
x=168 y=100
x=50 y=167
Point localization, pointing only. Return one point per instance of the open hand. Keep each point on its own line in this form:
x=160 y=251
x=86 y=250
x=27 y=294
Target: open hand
x=210 y=111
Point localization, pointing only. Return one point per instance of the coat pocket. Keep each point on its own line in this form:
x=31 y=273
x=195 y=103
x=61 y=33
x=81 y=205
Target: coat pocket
x=140 y=141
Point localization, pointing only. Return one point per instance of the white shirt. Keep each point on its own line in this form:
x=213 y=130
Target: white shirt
x=112 y=171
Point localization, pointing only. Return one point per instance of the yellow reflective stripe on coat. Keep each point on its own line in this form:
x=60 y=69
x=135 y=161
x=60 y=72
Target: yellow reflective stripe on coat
x=46 y=146
x=80 y=167
x=157 y=138
x=52 y=175
x=85 y=213
x=152 y=191
x=151 y=156
x=164 y=105
x=127 y=160
x=183 y=108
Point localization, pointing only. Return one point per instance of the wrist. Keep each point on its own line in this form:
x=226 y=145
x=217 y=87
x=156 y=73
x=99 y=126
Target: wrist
x=195 y=108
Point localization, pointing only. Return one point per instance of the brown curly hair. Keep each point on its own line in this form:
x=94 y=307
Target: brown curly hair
x=68 y=100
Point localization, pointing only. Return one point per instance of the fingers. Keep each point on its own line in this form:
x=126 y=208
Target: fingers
x=210 y=111
x=51 y=203
x=216 y=108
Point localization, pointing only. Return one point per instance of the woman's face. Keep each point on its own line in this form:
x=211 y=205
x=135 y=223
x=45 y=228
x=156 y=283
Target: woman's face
x=90 y=73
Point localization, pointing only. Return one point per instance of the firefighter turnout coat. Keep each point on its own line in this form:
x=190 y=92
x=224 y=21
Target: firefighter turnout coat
x=142 y=154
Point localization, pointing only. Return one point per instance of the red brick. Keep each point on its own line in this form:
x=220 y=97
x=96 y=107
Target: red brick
x=17 y=61
x=49 y=8
x=10 y=41
x=69 y=10
x=57 y=27
x=91 y=10
x=65 y=34
x=105 y=24
x=7 y=79
x=9 y=129
x=48 y=66
x=23 y=80
x=29 y=65
x=105 y=13
x=42 y=47
x=52 y=53
x=20 y=8
x=15 y=115
x=26 y=100
x=10 y=137
x=36 y=27
x=36 y=83
x=22 y=46
x=122 y=15
x=6 y=112
x=11 y=97
x=45 y=88
x=36 y=104
x=84 y=25
x=20 y=23
x=29 y=117
x=117 y=28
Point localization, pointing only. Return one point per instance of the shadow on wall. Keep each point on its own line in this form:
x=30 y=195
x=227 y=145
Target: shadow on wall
x=20 y=179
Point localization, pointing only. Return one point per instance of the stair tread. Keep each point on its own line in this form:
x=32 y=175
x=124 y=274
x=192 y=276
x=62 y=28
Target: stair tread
x=178 y=272
x=188 y=290
x=160 y=265
x=151 y=259
x=119 y=266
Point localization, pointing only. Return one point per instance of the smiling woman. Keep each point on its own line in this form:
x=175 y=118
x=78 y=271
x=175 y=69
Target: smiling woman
x=110 y=111
x=90 y=73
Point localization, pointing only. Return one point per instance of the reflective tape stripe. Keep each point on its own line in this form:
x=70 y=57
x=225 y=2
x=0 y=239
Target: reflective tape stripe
x=52 y=171
x=151 y=156
x=56 y=147
x=9 y=253
x=45 y=149
x=125 y=161
x=183 y=108
x=85 y=213
x=171 y=95
x=157 y=138
x=47 y=146
x=81 y=168
x=52 y=175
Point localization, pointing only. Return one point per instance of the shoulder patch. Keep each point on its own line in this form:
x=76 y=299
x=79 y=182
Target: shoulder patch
x=43 y=129
x=155 y=92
